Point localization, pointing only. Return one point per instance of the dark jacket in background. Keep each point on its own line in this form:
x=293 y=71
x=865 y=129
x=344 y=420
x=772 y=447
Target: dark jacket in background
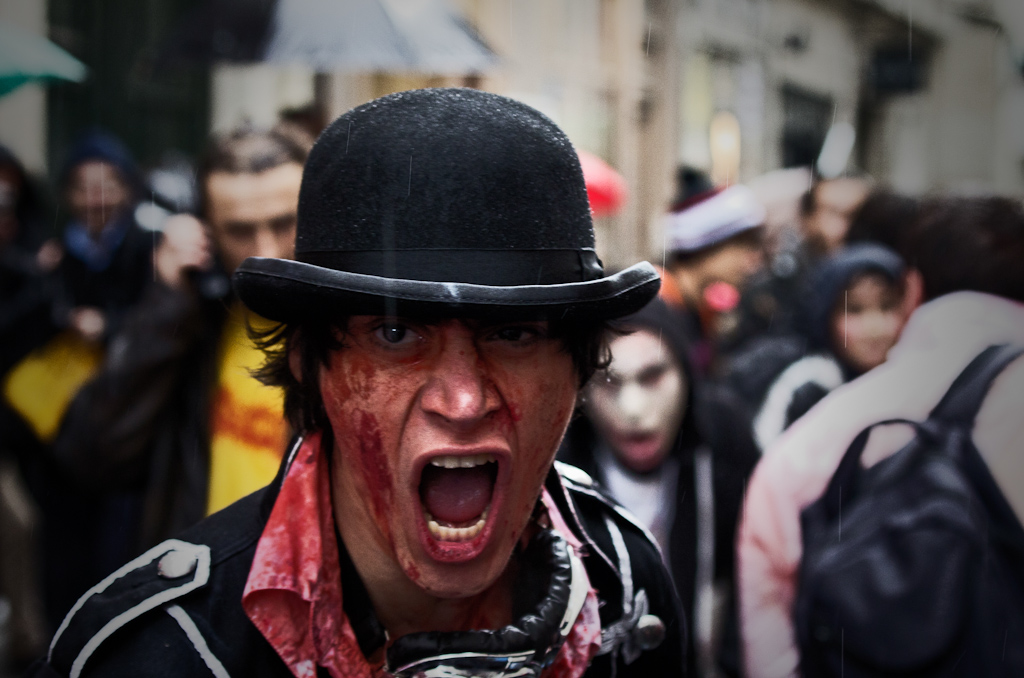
x=26 y=292
x=142 y=424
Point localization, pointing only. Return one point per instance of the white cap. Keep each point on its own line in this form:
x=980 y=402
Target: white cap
x=713 y=219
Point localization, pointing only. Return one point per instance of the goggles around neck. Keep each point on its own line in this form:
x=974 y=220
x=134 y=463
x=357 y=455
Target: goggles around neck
x=524 y=648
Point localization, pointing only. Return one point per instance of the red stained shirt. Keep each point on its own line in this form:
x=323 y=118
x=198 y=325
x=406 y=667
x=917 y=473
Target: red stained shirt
x=293 y=593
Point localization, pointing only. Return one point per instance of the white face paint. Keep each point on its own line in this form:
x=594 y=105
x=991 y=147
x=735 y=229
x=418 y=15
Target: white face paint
x=638 y=404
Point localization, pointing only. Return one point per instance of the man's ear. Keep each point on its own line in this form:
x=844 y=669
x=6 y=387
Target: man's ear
x=913 y=295
x=295 y=358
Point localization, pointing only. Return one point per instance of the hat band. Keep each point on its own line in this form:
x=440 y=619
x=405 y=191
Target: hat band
x=501 y=268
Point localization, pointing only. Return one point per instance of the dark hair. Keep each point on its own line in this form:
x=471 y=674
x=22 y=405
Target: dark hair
x=970 y=244
x=585 y=342
x=690 y=183
x=886 y=218
x=30 y=207
x=248 y=150
x=809 y=199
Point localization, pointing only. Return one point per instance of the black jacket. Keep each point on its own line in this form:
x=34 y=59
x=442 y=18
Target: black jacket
x=715 y=459
x=142 y=424
x=189 y=620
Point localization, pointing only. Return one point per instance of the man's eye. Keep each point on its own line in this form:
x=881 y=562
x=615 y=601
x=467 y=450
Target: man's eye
x=609 y=380
x=516 y=334
x=283 y=225
x=652 y=375
x=394 y=334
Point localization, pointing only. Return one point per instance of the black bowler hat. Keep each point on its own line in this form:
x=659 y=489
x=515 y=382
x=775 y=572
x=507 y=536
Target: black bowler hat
x=443 y=201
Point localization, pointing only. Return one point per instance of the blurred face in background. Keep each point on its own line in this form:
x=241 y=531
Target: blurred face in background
x=867 y=321
x=734 y=261
x=253 y=214
x=638 y=404
x=835 y=202
x=97 y=194
x=731 y=262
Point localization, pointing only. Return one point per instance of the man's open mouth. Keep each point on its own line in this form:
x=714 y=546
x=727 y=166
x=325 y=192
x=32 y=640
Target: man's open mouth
x=456 y=493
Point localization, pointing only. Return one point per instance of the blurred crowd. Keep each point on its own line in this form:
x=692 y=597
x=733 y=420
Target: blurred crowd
x=130 y=409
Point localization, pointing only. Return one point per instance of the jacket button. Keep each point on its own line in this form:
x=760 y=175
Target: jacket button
x=176 y=564
x=649 y=632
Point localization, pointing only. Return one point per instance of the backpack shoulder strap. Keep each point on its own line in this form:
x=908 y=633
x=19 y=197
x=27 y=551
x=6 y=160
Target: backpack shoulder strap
x=960 y=406
x=963 y=400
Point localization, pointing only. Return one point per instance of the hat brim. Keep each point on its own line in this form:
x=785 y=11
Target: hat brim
x=293 y=291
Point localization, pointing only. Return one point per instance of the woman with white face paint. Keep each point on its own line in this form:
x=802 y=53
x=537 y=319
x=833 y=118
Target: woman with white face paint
x=640 y=439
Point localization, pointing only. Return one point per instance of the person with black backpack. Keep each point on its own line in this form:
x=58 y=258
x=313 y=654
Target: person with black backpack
x=897 y=550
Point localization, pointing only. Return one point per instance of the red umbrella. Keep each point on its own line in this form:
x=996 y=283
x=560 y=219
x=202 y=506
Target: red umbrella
x=606 y=188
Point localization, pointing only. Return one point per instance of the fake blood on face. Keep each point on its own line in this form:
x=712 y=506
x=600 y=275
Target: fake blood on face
x=374 y=466
x=446 y=389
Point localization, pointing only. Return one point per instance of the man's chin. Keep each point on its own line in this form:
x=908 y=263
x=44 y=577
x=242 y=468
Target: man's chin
x=453 y=581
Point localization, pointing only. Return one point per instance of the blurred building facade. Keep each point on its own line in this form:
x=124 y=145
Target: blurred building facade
x=933 y=88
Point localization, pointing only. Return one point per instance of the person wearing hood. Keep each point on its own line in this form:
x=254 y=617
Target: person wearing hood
x=853 y=314
x=641 y=438
x=107 y=255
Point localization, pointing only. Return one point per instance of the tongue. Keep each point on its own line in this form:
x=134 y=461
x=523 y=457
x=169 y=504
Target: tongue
x=457 y=495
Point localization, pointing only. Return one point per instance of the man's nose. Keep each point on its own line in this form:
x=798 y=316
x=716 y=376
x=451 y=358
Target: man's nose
x=875 y=324
x=266 y=244
x=633 y=403
x=458 y=389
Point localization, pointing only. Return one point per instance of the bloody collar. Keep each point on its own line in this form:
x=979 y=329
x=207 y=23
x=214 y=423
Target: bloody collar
x=293 y=594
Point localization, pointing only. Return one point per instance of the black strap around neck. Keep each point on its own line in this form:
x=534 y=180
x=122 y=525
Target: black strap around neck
x=963 y=400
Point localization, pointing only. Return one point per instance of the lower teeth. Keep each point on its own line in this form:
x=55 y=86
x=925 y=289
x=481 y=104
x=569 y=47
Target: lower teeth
x=457 y=534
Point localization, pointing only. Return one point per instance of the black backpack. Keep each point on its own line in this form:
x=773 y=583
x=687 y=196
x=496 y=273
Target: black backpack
x=915 y=566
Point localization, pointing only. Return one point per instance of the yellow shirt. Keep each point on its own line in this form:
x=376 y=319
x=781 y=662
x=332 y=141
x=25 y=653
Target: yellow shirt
x=248 y=431
x=40 y=387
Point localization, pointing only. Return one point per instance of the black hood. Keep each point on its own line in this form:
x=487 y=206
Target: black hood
x=827 y=282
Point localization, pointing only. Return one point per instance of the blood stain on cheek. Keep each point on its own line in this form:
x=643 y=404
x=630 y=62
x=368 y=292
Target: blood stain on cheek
x=375 y=471
x=360 y=375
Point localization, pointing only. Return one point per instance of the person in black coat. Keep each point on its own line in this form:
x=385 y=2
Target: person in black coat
x=107 y=255
x=646 y=440
x=444 y=307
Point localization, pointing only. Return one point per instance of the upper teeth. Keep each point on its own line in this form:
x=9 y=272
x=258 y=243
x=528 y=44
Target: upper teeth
x=465 y=461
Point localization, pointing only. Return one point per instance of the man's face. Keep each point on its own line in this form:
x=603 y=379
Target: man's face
x=835 y=203
x=443 y=433
x=638 y=404
x=733 y=262
x=96 y=194
x=253 y=215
